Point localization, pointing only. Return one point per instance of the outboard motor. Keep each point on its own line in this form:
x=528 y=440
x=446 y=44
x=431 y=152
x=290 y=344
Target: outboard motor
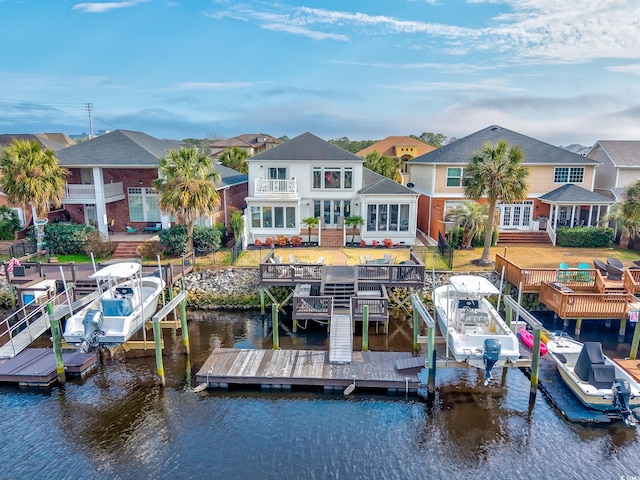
x=621 y=395
x=92 y=323
x=492 y=348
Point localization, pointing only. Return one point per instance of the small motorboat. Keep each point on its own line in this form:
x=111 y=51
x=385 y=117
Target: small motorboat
x=473 y=329
x=527 y=338
x=594 y=378
x=126 y=301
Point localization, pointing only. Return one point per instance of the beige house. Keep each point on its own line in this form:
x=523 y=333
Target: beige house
x=619 y=166
x=560 y=182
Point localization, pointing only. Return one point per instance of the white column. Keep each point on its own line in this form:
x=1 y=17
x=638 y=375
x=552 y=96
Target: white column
x=590 y=215
x=573 y=216
x=555 y=217
x=101 y=205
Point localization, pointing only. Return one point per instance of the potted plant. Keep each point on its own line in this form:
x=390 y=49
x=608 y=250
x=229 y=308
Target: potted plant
x=296 y=240
x=375 y=243
x=363 y=243
x=387 y=242
x=281 y=240
x=268 y=241
x=257 y=242
x=354 y=222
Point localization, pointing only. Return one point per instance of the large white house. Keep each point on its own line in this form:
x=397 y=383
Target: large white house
x=309 y=177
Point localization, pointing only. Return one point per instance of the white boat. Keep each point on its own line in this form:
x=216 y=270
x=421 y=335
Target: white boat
x=594 y=378
x=127 y=300
x=473 y=329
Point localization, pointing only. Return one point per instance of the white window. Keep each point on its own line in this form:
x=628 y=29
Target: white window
x=332 y=178
x=143 y=204
x=454 y=176
x=384 y=217
x=273 y=217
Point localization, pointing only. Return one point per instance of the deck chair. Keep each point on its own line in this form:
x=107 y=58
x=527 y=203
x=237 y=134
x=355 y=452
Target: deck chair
x=563 y=273
x=320 y=260
x=19 y=271
x=600 y=266
x=584 y=276
x=292 y=258
x=614 y=272
x=615 y=262
x=387 y=257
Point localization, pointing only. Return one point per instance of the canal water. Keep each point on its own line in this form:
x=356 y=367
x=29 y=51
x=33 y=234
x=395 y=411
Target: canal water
x=119 y=424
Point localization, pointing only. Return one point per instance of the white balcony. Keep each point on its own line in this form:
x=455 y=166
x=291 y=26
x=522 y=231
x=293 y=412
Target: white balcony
x=279 y=188
x=87 y=193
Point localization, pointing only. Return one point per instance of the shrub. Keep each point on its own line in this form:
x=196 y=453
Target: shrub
x=281 y=240
x=207 y=239
x=257 y=242
x=174 y=239
x=375 y=243
x=237 y=224
x=363 y=243
x=94 y=243
x=151 y=249
x=9 y=223
x=268 y=241
x=387 y=242
x=64 y=239
x=585 y=237
x=296 y=240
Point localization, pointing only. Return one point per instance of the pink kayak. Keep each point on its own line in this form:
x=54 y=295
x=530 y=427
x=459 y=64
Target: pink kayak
x=527 y=338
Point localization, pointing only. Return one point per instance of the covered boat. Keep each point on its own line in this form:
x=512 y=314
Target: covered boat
x=127 y=300
x=594 y=378
x=473 y=329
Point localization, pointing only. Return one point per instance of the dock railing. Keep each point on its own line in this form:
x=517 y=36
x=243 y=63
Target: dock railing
x=378 y=302
x=568 y=303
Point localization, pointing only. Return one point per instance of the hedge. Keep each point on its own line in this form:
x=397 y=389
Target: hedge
x=585 y=237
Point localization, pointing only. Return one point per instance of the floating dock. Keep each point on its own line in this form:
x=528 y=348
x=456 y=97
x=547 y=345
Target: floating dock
x=305 y=368
x=36 y=367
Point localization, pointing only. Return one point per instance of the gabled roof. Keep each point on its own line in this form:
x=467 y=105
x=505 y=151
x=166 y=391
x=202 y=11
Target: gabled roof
x=375 y=184
x=535 y=151
x=623 y=153
x=573 y=194
x=229 y=176
x=54 y=141
x=120 y=148
x=306 y=147
x=246 y=140
x=387 y=146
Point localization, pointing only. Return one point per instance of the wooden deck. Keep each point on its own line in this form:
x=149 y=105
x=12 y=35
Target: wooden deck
x=305 y=368
x=37 y=366
x=632 y=367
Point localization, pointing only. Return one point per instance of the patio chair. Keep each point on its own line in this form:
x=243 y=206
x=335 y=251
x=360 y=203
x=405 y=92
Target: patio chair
x=600 y=266
x=615 y=262
x=130 y=229
x=584 y=276
x=614 y=272
x=563 y=273
x=320 y=260
x=387 y=257
x=292 y=258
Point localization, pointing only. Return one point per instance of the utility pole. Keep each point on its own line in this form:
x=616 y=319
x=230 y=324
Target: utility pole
x=89 y=107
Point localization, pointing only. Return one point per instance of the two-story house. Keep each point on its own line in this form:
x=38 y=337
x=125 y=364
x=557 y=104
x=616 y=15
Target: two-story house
x=619 y=166
x=111 y=181
x=560 y=185
x=252 y=143
x=309 y=177
x=402 y=147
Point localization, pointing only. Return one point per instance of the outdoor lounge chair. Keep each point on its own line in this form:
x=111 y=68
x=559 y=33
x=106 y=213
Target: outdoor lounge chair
x=563 y=273
x=615 y=262
x=131 y=229
x=583 y=276
x=600 y=266
x=614 y=272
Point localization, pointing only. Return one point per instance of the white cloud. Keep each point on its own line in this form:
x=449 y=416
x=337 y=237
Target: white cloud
x=211 y=85
x=633 y=69
x=95 y=7
x=491 y=85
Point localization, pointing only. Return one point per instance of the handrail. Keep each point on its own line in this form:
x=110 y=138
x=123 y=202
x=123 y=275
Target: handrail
x=424 y=314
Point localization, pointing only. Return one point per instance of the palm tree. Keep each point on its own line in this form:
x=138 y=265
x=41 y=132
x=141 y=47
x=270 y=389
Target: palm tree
x=627 y=214
x=31 y=175
x=235 y=158
x=354 y=221
x=310 y=222
x=495 y=171
x=389 y=167
x=471 y=217
x=186 y=185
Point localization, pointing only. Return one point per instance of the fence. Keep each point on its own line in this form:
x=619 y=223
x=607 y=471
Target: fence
x=18 y=250
x=236 y=250
x=445 y=250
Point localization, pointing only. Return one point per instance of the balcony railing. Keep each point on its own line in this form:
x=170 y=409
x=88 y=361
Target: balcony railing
x=264 y=187
x=87 y=193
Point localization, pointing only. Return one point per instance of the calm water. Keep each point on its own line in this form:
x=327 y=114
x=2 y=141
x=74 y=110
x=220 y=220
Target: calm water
x=119 y=424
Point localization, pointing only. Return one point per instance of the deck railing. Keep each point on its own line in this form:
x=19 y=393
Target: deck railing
x=312 y=307
x=571 y=304
x=378 y=305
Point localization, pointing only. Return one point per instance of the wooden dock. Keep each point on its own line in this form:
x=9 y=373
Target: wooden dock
x=37 y=366
x=305 y=368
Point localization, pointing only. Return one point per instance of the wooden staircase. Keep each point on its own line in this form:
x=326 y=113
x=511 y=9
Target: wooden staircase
x=332 y=238
x=523 y=238
x=126 y=249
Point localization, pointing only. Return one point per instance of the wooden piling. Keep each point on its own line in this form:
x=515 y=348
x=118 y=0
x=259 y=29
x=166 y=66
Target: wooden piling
x=578 y=327
x=157 y=337
x=365 y=328
x=274 y=324
x=261 y=300
x=56 y=336
x=623 y=328
x=535 y=368
x=184 y=327
x=416 y=328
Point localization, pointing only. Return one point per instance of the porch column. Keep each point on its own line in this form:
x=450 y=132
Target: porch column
x=573 y=216
x=590 y=215
x=555 y=217
x=165 y=219
x=101 y=206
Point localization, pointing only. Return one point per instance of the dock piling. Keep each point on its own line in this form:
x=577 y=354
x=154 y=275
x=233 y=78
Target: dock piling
x=56 y=335
x=365 y=328
x=157 y=337
x=274 y=324
x=535 y=368
x=184 y=327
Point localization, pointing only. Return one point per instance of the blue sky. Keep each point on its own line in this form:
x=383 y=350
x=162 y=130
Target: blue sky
x=562 y=71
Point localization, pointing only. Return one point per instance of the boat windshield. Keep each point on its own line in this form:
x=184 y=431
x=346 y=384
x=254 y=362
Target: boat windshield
x=467 y=303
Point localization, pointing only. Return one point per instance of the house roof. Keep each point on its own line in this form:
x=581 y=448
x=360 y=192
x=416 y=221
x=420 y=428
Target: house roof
x=119 y=148
x=623 y=153
x=375 y=184
x=229 y=177
x=246 y=140
x=387 y=146
x=306 y=147
x=573 y=194
x=535 y=151
x=54 y=141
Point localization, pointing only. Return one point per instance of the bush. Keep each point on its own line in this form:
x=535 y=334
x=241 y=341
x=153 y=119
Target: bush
x=296 y=240
x=9 y=223
x=64 y=239
x=174 y=239
x=585 y=237
x=478 y=240
x=375 y=243
x=363 y=243
x=257 y=242
x=207 y=239
x=151 y=249
x=387 y=242
x=268 y=241
x=94 y=244
x=281 y=240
